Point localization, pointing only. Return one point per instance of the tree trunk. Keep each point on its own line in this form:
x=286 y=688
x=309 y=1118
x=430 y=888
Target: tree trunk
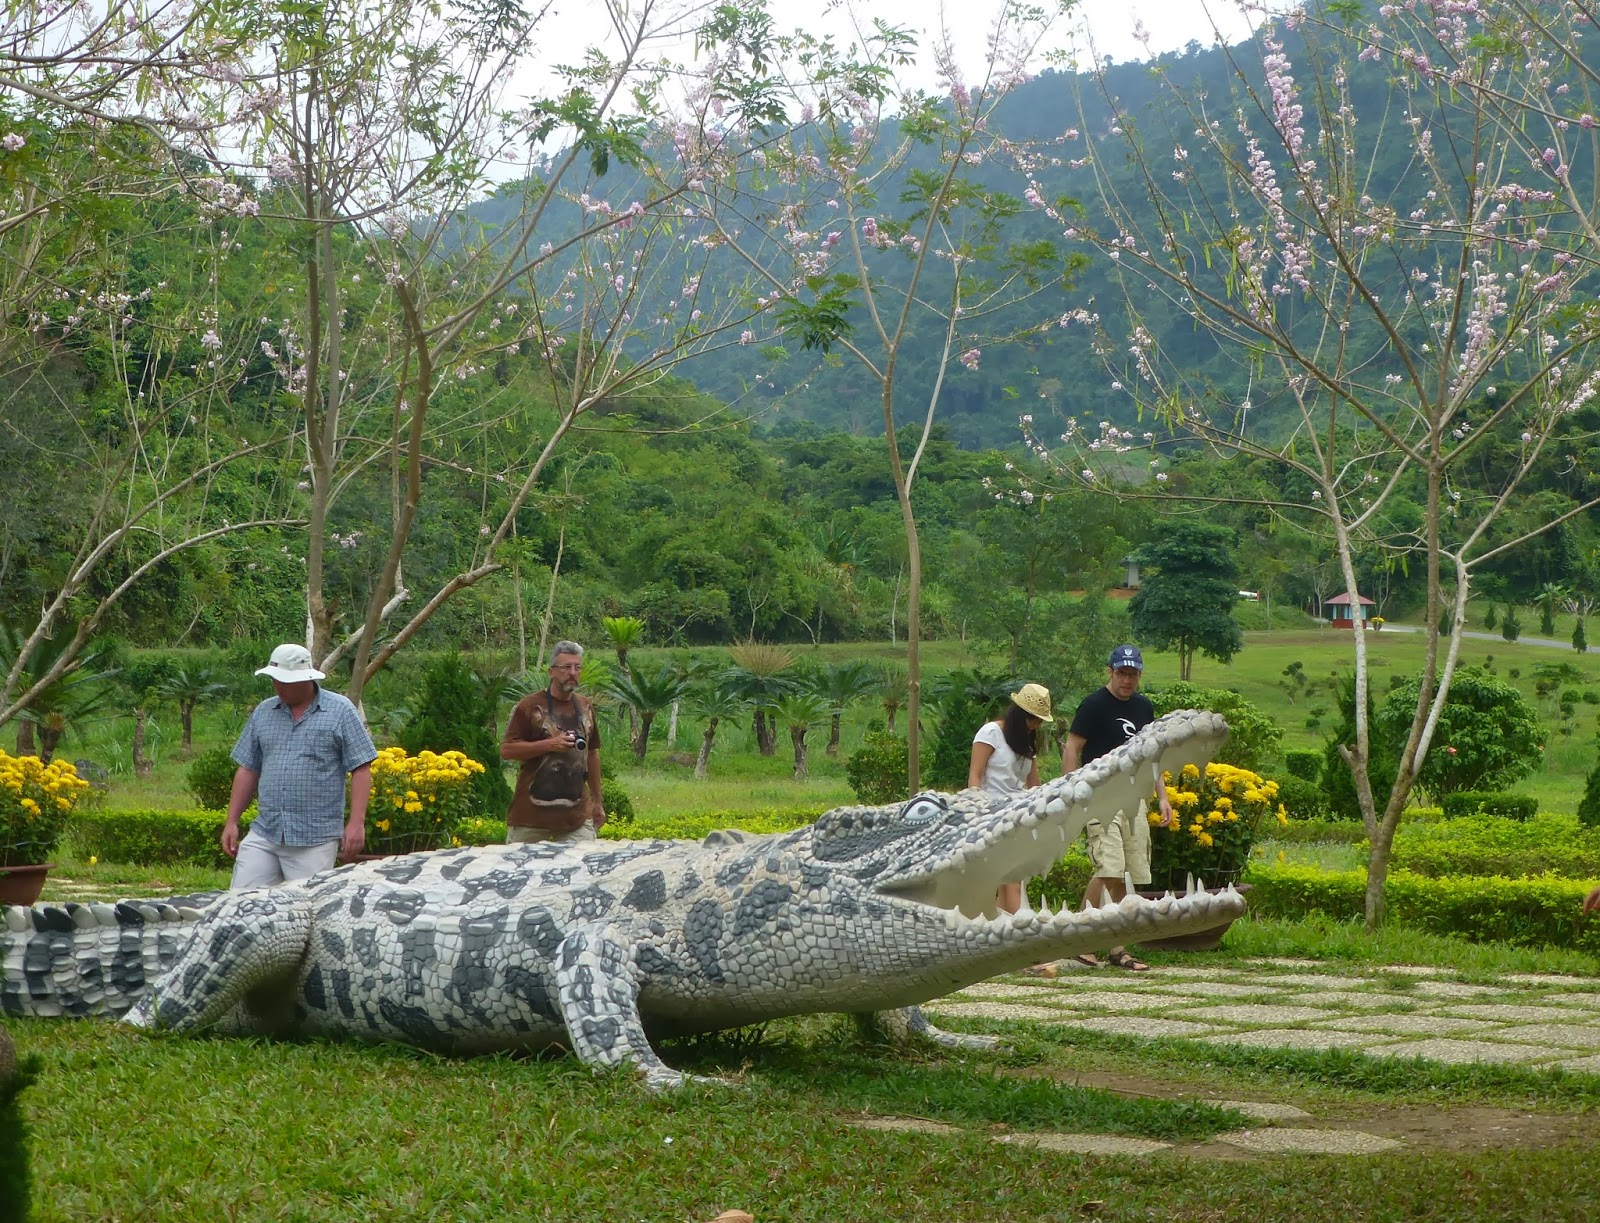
x=891 y=710
x=798 y=735
x=704 y=761
x=49 y=736
x=141 y=766
x=550 y=599
x=833 y=735
x=766 y=734
x=641 y=737
x=186 y=715
x=25 y=736
x=672 y=726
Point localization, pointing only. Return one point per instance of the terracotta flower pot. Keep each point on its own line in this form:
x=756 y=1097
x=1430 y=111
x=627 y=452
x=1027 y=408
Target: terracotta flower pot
x=21 y=885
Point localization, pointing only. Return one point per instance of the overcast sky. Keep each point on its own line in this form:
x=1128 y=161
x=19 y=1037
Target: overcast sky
x=574 y=24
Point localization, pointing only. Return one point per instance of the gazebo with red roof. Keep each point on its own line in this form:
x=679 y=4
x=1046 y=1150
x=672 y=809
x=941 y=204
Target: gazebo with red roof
x=1341 y=615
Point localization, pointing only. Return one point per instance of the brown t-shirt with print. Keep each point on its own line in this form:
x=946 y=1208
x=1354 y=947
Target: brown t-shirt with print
x=550 y=791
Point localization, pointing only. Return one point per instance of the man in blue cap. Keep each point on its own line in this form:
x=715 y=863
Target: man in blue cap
x=1108 y=718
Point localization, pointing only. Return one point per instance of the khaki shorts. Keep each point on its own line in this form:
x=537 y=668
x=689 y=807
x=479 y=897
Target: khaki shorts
x=529 y=836
x=1121 y=847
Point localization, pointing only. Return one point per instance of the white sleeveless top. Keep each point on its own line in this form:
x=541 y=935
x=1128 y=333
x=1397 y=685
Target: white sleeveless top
x=1007 y=772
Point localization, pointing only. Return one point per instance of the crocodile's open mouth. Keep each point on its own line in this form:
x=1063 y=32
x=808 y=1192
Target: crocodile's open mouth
x=1026 y=836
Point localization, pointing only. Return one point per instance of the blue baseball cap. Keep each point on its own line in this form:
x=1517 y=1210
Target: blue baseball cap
x=1126 y=656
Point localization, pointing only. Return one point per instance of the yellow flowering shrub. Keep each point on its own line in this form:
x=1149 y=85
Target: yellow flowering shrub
x=35 y=801
x=417 y=801
x=1219 y=815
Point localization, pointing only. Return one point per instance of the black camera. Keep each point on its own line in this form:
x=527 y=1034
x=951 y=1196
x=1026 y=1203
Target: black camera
x=579 y=743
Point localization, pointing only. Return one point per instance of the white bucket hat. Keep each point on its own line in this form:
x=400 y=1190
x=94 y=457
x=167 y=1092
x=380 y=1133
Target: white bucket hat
x=291 y=664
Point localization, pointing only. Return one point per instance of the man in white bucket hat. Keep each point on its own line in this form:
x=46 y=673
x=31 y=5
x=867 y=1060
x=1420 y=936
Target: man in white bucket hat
x=293 y=756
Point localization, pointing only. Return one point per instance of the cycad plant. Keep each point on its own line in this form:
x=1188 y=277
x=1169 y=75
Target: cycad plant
x=894 y=690
x=840 y=685
x=758 y=673
x=717 y=701
x=800 y=711
x=645 y=693
x=186 y=687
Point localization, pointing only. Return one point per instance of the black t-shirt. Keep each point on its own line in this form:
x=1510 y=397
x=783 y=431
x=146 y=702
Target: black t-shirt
x=1107 y=723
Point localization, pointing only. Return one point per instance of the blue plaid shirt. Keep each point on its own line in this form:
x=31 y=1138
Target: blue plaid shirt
x=303 y=764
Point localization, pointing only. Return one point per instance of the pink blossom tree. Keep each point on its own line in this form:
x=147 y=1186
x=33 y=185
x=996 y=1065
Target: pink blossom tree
x=1396 y=321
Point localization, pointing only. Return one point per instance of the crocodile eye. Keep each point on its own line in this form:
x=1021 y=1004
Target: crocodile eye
x=922 y=809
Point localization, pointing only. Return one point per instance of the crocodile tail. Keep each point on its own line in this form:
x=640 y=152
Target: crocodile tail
x=88 y=959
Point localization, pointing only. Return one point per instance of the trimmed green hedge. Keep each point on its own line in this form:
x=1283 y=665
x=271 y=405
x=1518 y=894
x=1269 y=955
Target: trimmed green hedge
x=1492 y=845
x=1501 y=803
x=154 y=838
x=1524 y=912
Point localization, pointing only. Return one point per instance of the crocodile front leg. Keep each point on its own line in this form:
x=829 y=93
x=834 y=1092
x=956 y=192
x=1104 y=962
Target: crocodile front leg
x=247 y=948
x=597 y=992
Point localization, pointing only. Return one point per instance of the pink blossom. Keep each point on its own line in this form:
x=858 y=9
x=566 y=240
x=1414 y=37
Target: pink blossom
x=12 y=141
x=970 y=358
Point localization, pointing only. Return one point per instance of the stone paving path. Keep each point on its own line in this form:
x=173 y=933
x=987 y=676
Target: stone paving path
x=1539 y=1020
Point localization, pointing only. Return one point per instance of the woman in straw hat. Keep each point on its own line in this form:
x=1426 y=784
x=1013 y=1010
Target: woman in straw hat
x=1005 y=758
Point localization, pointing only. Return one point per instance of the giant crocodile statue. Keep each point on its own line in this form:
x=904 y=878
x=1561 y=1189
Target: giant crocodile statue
x=601 y=946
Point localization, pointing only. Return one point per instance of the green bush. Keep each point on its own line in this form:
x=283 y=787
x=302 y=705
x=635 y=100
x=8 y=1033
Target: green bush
x=1062 y=887
x=482 y=830
x=210 y=779
x=1492 y=845
x=618 y=805
x=1253 y=738
x=1539 y=912
x=454 y=713
x=1303 y=763
x=698 y=827
x=1500 y=803
x=155 y=838
x=1303 y=800
x=1314 y=831
x=1589 y=804
x=877 y=769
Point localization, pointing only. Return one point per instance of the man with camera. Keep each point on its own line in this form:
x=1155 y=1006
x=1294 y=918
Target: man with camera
x=553 y=734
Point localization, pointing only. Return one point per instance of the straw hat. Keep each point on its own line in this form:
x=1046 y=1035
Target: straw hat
x=1033 y=699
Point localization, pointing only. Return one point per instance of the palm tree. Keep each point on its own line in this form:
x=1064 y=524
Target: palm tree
x=1549 y=598
x=77 y=694
x=842 y=684
x=716 y=701
x=625 y=632
x=646 y=693
x=800 y=711
x=894 y=690
x=187 y=687
x=758 y=673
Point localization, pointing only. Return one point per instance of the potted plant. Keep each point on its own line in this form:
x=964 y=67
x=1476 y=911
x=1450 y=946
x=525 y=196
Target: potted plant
x=36 y=800
x=417 y=801
x=1220 y=812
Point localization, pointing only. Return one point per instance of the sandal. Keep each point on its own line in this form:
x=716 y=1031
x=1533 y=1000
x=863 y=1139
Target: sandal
x=1088 y=959
x=1121 y=959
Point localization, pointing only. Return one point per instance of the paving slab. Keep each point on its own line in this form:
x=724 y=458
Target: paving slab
x=1411 y=1025
x=1562 y=1035
x=1315 y=980
x=1264 y=1110
x=1140 y=1025
x=909 y=1125
x=1457 y=989
x=1087 y=1144
x=1584 y=1000
x=1283 y=961
x=1257 y=1013
x=1113 y=1000
x=1296 y=1038
x=1509 y=1012
x=1553 y=978
x=1415 y=970
x=996 y=1010
x=996 y=989
x=1357 y=1001
x=1280 y=1140
x=1583 y=1065
x=1458 y=1052
x=1180 y=971
x=1214 y=989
